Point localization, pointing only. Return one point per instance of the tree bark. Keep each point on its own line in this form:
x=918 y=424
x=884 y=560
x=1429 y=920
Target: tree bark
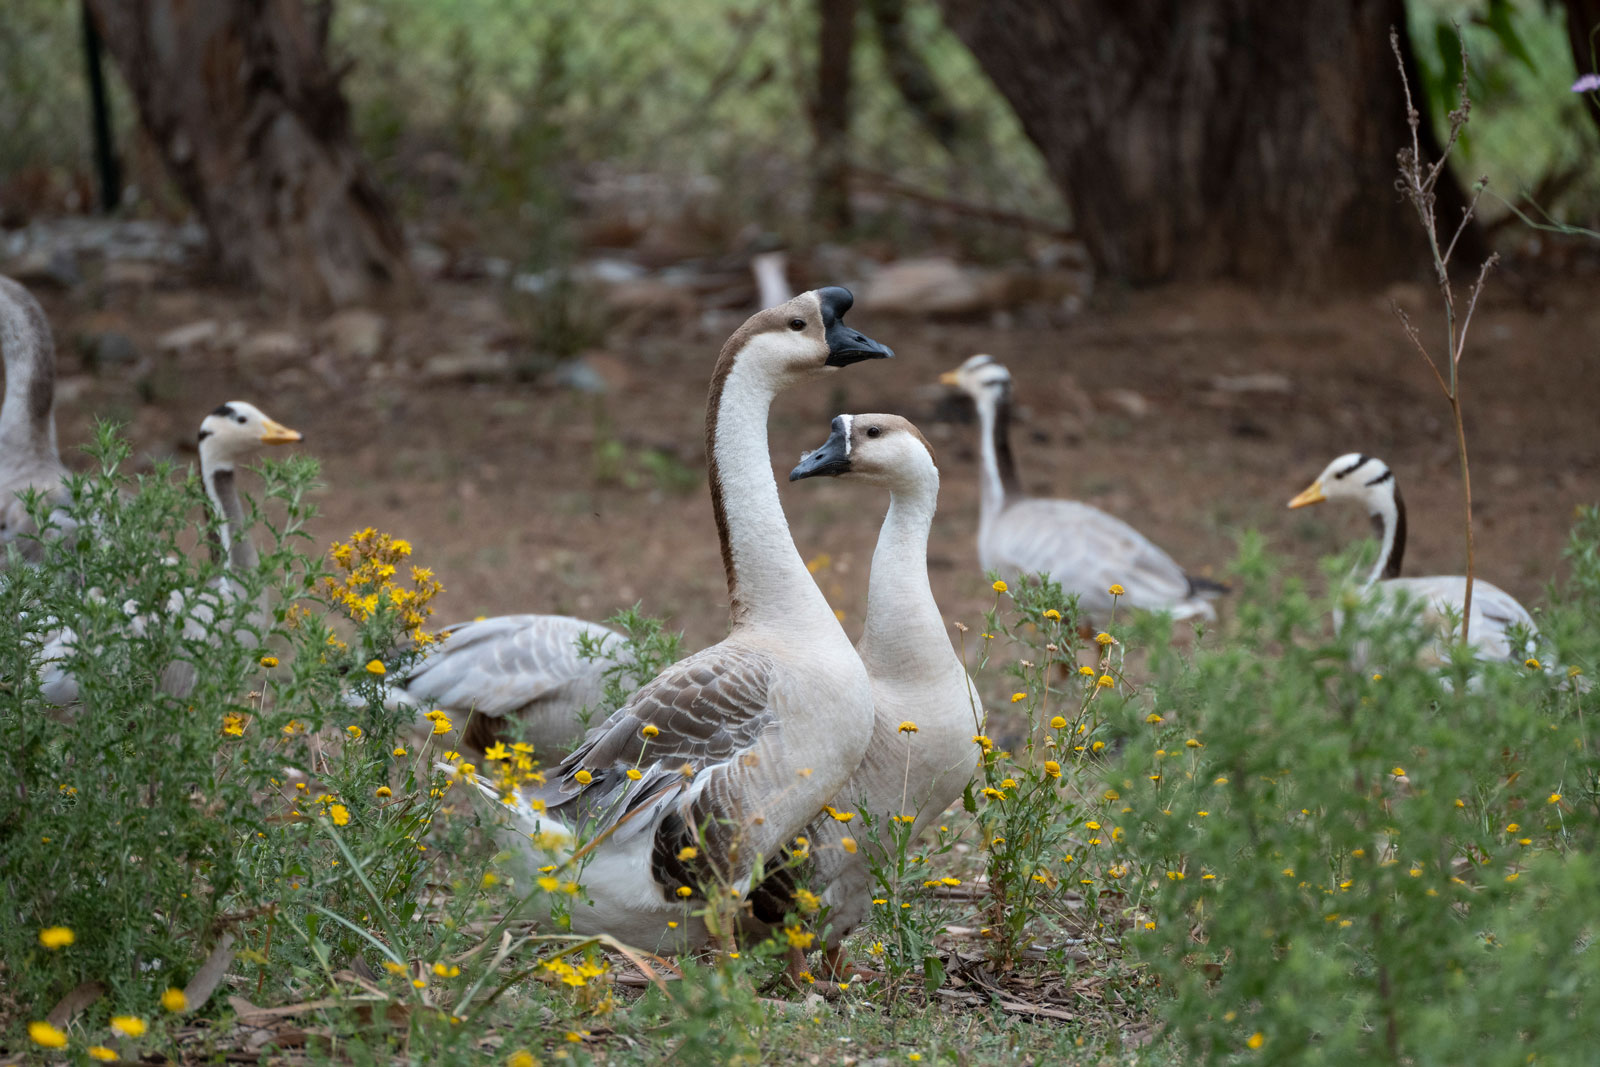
x=254 y=129
x=1197 y=139
x=830 y=112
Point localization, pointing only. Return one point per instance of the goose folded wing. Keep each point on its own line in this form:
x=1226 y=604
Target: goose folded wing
x=501 y=665
x=1087 y=550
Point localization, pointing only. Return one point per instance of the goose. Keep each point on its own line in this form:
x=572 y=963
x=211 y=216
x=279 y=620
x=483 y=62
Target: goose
x=29 y=458
x=228 y=435
x=708 y=772
x=1076 y=544
x=511 y=677
x=917 y=678
x=1370 y=482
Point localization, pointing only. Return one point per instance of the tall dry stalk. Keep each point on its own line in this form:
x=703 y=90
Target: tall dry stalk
x=1417 y=182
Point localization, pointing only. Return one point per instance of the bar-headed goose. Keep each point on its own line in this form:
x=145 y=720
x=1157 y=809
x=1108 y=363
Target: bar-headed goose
x=511 y=677
x=228 y=436
x=28 y=455
x=1076 y=544
x=916 y=675
x=712 y=768
x=1368 y=481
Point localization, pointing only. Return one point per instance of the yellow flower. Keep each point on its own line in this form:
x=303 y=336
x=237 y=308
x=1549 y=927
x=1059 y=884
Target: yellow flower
x=521 y=1058
x=949 y=881
x=999 y=587
x=1087 y=672
x=1052 y=614
x=1105 y=681
x=174 y=1000
x=840 y=816
x=982 y=742
x=442 y=725
x=1017 y=698
x=914 y=1057
x=376 y=667
x=1058 y=723
x=848 y=844
x=383 y=791
x=1531 y=662
x=583 y=777
x=549 y=884
x=1256 y=1040
x=806 y=900
x=46 y=1035
x=635 y=774
x=354 y=731
x=1553 y=798
x=398 y=751
x=101 y=1053
x=269 y=661
x=798 y=938
x=128 y=1025
x=685 y=891
x=1512 y=827
x=1104 y=639
x=649 y=730
x=497 y=751
x=1398 y=772
x=1154 y=719
x=1052 y=768
x=445 y=971
x=1116 y=590
x=687 y=853
x=56 y=937
x=340 y=814
x=908 y=727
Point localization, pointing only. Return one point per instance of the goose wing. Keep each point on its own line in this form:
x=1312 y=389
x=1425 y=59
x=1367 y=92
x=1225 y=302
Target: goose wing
x=501 y=666
x=1088 y=551
x=1495 y=612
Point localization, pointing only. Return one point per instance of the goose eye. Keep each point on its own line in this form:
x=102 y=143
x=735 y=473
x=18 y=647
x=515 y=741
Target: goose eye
x=240 y=419
x=797 y=324
x=873 y=431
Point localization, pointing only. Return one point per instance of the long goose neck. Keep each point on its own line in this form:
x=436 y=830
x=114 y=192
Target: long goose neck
x=1388 y=511
x=998 y=482
x=27 y=417
x=239 y=553
x=768 y=584
x=904 y=631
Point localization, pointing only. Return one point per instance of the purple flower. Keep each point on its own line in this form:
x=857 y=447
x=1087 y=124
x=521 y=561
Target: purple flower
x=1589 y=83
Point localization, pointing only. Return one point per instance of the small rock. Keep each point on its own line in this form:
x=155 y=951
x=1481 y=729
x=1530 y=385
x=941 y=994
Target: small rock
x=113 y=349
x=579 y=374
x=1129 y=402
x=467 y=367
x=200 y=334
x=55 y=268
x=933 y=286
x=270 y=349
x=354 y=333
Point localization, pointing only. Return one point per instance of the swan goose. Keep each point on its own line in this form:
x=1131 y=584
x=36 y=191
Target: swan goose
x=510 y=675
x=1368 y=481
x=228 y=435
x=29 y=458
x=1076 y=544
x=713 y=767
x=917 y=678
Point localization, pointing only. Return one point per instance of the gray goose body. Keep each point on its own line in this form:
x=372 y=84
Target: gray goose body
x=29 y=458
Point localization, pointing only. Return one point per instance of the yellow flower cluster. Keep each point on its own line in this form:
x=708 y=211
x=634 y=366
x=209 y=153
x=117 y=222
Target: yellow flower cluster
x=369 y=560
x=577 y=975
x=511 y=767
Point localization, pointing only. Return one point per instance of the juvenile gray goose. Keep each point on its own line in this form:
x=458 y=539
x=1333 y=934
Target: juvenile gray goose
x=1076 y=544
x=28 y=453
x=1368 y=481
x=713 y=767
x=917 y=678
x=228 y=435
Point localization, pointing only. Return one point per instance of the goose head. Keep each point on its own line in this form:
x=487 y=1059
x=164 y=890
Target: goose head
x=237 y=429
x=981 y=377
x=802 y=338
x=882 y=450
x=1353 y=476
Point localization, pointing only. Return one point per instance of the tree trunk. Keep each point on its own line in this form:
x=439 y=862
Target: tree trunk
x=249 y=117
x=830 y=112
x=1196 y=139
x=912 y=75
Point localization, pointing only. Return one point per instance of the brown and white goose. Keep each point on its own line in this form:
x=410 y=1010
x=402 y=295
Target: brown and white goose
x=28 y=455
x=917 y=678
x=1076 y=544
x=1368 y=481
x=711 y=769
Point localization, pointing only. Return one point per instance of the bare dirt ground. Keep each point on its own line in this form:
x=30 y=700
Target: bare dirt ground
x=1194 y=414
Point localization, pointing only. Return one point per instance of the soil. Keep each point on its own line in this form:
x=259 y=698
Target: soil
x=524 y=496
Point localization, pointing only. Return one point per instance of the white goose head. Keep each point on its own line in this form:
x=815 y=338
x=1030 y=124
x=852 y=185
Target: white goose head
x=1368 y=481
x=882 y=450
x=236 y=430
x=803 y=338
x=982 y=378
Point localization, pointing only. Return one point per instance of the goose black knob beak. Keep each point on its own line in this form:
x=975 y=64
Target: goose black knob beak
x=831 y=460
x=845 y=345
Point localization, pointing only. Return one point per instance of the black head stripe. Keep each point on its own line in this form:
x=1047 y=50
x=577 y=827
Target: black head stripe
x=225 y=410
x=1380 y=479
x=205 y=433
x=1360 y=459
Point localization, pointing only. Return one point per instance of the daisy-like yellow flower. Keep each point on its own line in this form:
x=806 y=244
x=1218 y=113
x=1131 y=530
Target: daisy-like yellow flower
x=399 y=750
x=1117 y=590
x=56 y=937
x=839 y=816
x=1052 y=768
x=583 y=777
x=806 y=900
x=634 y=774
x=1398 y=772
x=383 y=791
x=1193 y=743
x=1052 y=614
x=1105 y=681
x=1153 y=719
x=339 y=814
x=46 y=1036
x=1087 y=672
x=1104 y=639
x=1531 y=662
x=798 y=938
x=687 y=853
x=1000 y=587
x=649 y=730
x=442 y=725
x=982 y=742
x=848 y=844
x=497 y=751
x=1256 y=1040
x=376 y=667
x=521 y=1058
x=269 y=661
x=1553 y=798
x=685 y=891
x=908 y=727
x=1058 y=723
x=101 y=1053
x=1017 y=698
x=128 y=1025
x=354 y=731
x=174 y=1000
